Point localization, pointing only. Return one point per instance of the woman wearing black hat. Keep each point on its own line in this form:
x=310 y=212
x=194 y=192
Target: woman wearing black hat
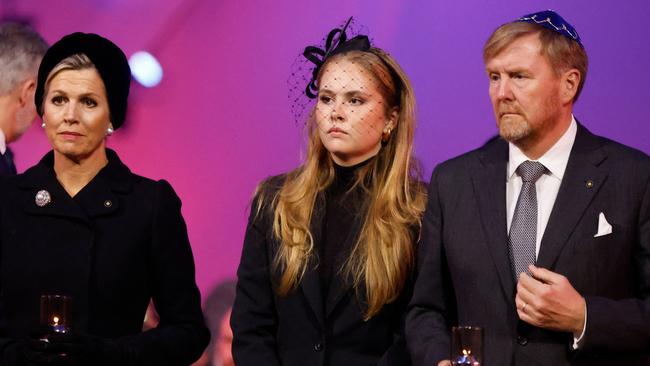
x=80 y=224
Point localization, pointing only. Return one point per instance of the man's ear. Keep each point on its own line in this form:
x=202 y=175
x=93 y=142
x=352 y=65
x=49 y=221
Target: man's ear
x=27 y=91
x=569 y=85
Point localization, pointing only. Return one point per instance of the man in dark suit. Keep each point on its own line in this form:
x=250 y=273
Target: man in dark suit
x=540 y=237
x=21 y=51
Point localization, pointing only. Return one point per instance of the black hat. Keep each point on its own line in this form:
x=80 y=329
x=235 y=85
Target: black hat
x=109 y=60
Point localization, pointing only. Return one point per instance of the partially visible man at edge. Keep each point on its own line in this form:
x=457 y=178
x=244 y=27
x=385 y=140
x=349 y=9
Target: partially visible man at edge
x=21 y=51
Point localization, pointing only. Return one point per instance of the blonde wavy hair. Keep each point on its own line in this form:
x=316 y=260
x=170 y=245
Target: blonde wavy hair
x=383 y=256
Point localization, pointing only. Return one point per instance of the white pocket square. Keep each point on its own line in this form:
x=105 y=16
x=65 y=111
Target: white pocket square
x=604 y=227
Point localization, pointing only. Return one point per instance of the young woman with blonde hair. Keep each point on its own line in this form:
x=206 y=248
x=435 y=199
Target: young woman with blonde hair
x=325 y=272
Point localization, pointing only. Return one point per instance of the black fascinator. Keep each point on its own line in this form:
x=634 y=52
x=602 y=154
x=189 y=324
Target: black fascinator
x=304 y=72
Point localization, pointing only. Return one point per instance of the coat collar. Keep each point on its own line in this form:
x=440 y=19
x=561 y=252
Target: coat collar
x=98 y=197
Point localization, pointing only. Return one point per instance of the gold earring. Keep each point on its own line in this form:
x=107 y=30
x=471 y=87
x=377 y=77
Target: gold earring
x=385 y=135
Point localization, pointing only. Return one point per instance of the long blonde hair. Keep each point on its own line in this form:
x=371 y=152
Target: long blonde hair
x=383 y=256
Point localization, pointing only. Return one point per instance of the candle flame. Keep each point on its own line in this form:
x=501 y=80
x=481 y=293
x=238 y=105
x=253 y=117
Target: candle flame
x=467 y=352
x=55 y=320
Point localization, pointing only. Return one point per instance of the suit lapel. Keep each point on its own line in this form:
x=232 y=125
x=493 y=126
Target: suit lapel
x=310 y=283
x=582 y=180
x=338 y=288
x=489 y=181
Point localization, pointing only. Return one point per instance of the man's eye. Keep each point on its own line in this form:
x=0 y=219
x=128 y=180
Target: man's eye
x=494 y=77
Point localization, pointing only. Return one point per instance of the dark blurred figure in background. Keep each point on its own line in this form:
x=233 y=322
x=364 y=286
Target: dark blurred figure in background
x=216 y=310
x=21 y=51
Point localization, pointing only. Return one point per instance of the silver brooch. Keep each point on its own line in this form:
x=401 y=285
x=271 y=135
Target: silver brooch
x=42 y=198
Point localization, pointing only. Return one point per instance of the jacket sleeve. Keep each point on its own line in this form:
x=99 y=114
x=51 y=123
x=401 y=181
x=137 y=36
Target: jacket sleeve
x=181 y=335
x=254 y=317
x=430 y=310
x=623 y=325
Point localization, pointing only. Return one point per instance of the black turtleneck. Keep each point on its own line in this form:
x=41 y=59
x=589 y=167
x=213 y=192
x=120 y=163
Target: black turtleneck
x=344 y=212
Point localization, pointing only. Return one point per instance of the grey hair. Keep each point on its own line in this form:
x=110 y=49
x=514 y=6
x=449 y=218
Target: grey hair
x=21 y=51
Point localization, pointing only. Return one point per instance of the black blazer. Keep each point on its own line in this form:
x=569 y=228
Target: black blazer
x=303 y=328
x=7 y=166
x=464 y=270
x=118 y=243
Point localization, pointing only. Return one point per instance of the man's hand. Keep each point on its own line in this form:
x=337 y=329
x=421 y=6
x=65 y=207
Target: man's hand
x=548 y=300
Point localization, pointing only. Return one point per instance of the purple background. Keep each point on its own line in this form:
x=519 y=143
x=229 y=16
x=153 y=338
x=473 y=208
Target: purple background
x=220 y=121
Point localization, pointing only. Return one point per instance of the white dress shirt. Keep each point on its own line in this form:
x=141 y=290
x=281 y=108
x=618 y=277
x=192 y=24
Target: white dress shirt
x=547 y=186
x=555 y=160
x=3 y=142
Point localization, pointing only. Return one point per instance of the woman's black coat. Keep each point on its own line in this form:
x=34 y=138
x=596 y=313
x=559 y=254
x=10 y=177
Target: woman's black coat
x=119 y=242
x=303 y=329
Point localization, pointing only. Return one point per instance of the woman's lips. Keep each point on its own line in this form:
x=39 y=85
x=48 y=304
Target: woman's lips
x=70 y=135
x=335 y=130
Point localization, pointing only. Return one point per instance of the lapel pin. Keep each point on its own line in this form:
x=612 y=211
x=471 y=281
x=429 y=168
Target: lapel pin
x=108 y=203
x=589 y=183
x=42 y=198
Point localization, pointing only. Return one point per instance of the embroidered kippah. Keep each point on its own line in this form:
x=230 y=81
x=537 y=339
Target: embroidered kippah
x=553 y=21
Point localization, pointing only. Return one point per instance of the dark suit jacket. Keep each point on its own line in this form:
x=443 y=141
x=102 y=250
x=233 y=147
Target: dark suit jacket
x=303 y=328
x=118 y=243
x=464 y=272
x=7 y=166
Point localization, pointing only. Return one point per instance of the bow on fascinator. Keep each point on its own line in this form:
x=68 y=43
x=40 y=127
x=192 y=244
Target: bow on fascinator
x=336 y=43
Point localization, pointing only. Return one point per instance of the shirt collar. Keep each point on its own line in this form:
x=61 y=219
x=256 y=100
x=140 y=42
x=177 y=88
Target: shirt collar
x=555 y=159
x=3 y=143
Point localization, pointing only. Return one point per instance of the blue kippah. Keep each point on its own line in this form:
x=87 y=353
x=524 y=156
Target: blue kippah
x=553 y=21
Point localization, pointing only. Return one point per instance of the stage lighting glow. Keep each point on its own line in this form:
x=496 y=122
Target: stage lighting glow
x=145 y=69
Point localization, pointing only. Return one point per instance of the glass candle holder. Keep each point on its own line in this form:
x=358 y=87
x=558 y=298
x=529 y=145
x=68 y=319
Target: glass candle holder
x=56 y=313
x=467 y=345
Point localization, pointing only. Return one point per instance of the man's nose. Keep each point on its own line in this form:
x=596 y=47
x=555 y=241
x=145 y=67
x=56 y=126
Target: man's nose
x=504 y=91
